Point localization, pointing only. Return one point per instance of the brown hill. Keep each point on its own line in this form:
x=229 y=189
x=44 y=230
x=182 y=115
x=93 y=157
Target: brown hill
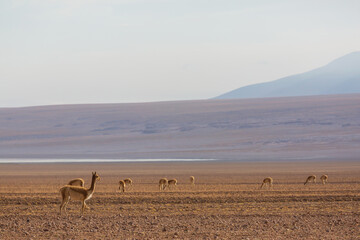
x=316 y=127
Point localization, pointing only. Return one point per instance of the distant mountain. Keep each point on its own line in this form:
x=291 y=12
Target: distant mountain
x=338 y=77
x=312 y=128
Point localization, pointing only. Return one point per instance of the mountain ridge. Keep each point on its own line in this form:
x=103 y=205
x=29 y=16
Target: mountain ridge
x=340 y=76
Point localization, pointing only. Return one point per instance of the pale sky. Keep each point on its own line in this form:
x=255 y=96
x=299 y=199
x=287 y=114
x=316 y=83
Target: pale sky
x=114 y=51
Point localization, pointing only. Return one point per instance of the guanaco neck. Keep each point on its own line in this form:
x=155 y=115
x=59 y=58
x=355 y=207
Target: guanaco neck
x=92 y=187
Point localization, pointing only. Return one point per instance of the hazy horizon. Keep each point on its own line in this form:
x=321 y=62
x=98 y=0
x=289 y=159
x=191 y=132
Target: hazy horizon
x=74 y=52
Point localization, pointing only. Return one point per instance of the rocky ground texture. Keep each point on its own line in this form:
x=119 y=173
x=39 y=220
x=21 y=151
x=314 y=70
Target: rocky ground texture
x=225 y=203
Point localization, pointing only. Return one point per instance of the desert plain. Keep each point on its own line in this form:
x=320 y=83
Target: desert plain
x=225 y=203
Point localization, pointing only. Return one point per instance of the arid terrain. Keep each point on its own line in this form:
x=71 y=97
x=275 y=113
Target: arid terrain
x=225 y=203
x=314 y=127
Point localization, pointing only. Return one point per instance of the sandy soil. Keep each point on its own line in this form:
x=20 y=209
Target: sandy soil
x=225 y=203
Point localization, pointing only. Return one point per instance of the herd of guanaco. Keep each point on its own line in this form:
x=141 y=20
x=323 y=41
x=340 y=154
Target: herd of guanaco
x=76 y=190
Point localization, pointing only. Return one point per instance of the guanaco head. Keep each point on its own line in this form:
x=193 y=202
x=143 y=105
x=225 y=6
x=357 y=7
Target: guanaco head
x=96 y=176
x=122 y=185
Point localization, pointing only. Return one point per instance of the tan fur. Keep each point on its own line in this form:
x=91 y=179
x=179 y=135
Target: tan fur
x=77 y=182
x=128 y=181
x=192 y=180
x=311 y=178
x=324 y=178
x=268 y=181
x=172 y=182
x=78 y=193
x=163 y=183
x=122 y=185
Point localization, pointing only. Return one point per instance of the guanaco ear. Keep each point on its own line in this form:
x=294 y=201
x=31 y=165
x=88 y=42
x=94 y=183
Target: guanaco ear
x=92 y=173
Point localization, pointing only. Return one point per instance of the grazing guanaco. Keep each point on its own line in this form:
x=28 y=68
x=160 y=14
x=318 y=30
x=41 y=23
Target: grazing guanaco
x=172 y=182
x=311 y=178
x=192 y=180
x=268 y=181
x=128 y=181
x=163 y=183
x=324 y=178
x=78 y=193
x=77 y=182
x=122 y=185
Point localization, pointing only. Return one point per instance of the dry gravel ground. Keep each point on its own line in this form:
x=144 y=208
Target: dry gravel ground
x=225 y=203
